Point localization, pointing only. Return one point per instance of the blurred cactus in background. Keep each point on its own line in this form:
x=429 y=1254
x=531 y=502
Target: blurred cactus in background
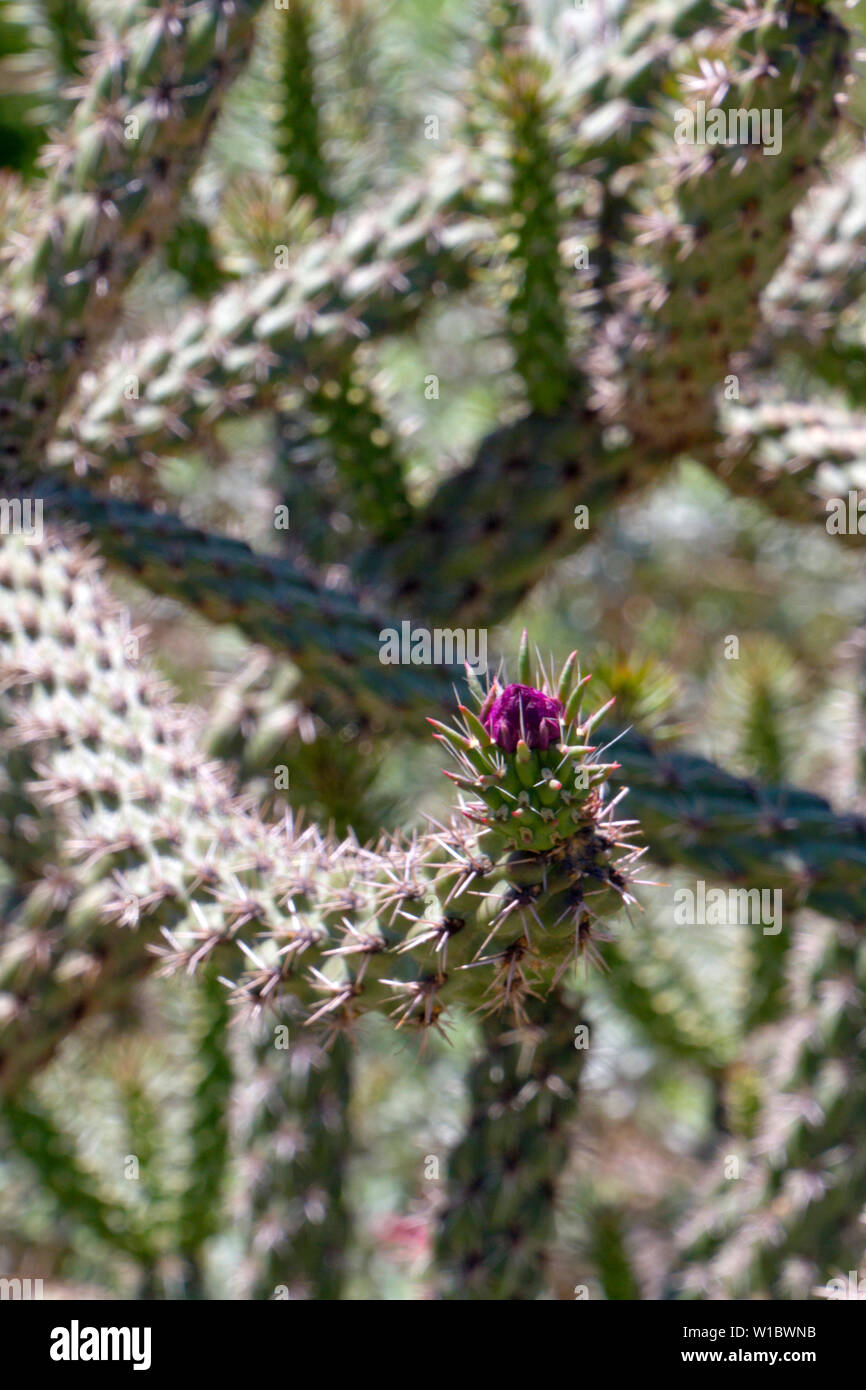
x=341 y=345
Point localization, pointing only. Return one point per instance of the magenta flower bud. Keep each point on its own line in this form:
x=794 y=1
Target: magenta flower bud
x=523 y=713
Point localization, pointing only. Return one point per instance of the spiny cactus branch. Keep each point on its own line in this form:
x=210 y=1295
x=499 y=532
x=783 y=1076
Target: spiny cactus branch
x=245 y=348
x=328 y=632
x=118 y=171
x=498 y=1219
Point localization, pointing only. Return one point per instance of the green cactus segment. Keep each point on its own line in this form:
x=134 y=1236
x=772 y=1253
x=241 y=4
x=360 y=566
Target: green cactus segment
x=825 y=269
x=340 y=423
x=144 y=1132
x=55 y=1161
x=719 y=236
x=345 y=448
x=655 y=993
x=514 y=110
x=43 y=46
x=698 y=816
x=261 y=725
x=190 y=252
x=71 y=32
x=115 y=763
x=123 y=162
x=498 y=1220
x=299 y=1144
x=767 y=996
x=490 y=531
x=59 y=962
x=617 y=89
x=610 y=1255
x=27 y=831
x=326 y=631
x=254 y=340
x=201 y=1201
x=299 y=137
x=803 y=459
x=618 y=109
x=782 y=1227
x=840 y=365
x=155 y=837
x=20 y=137
x=644 y=44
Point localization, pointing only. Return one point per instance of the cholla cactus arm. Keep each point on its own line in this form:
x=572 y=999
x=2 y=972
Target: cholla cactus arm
x=299 y=136
x=240 y=353
x=470 y=554
x=646 y=38
x=658 y=998
x=498 y=1219
x=54 y=1160
x=801 y=458
x=512 y=113
x=461 y=555
x=113 y=743
x=72 y=33
x=339 y=422
x=715 y=227
x=496 y=910
x=27 y=833
x=200 y=1208
x=43 y=47
x=607 y=1246
x=617 y=98
x=159 y=1221
x=326 y=631
x=803 y=1175
x=340 y=446
x=697 y=815
x=296 y=1104
x=144 y=1132
x=60 y=960
x=108 y=744
x=297 y=1122
x=825 y=269
x=131 y=145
